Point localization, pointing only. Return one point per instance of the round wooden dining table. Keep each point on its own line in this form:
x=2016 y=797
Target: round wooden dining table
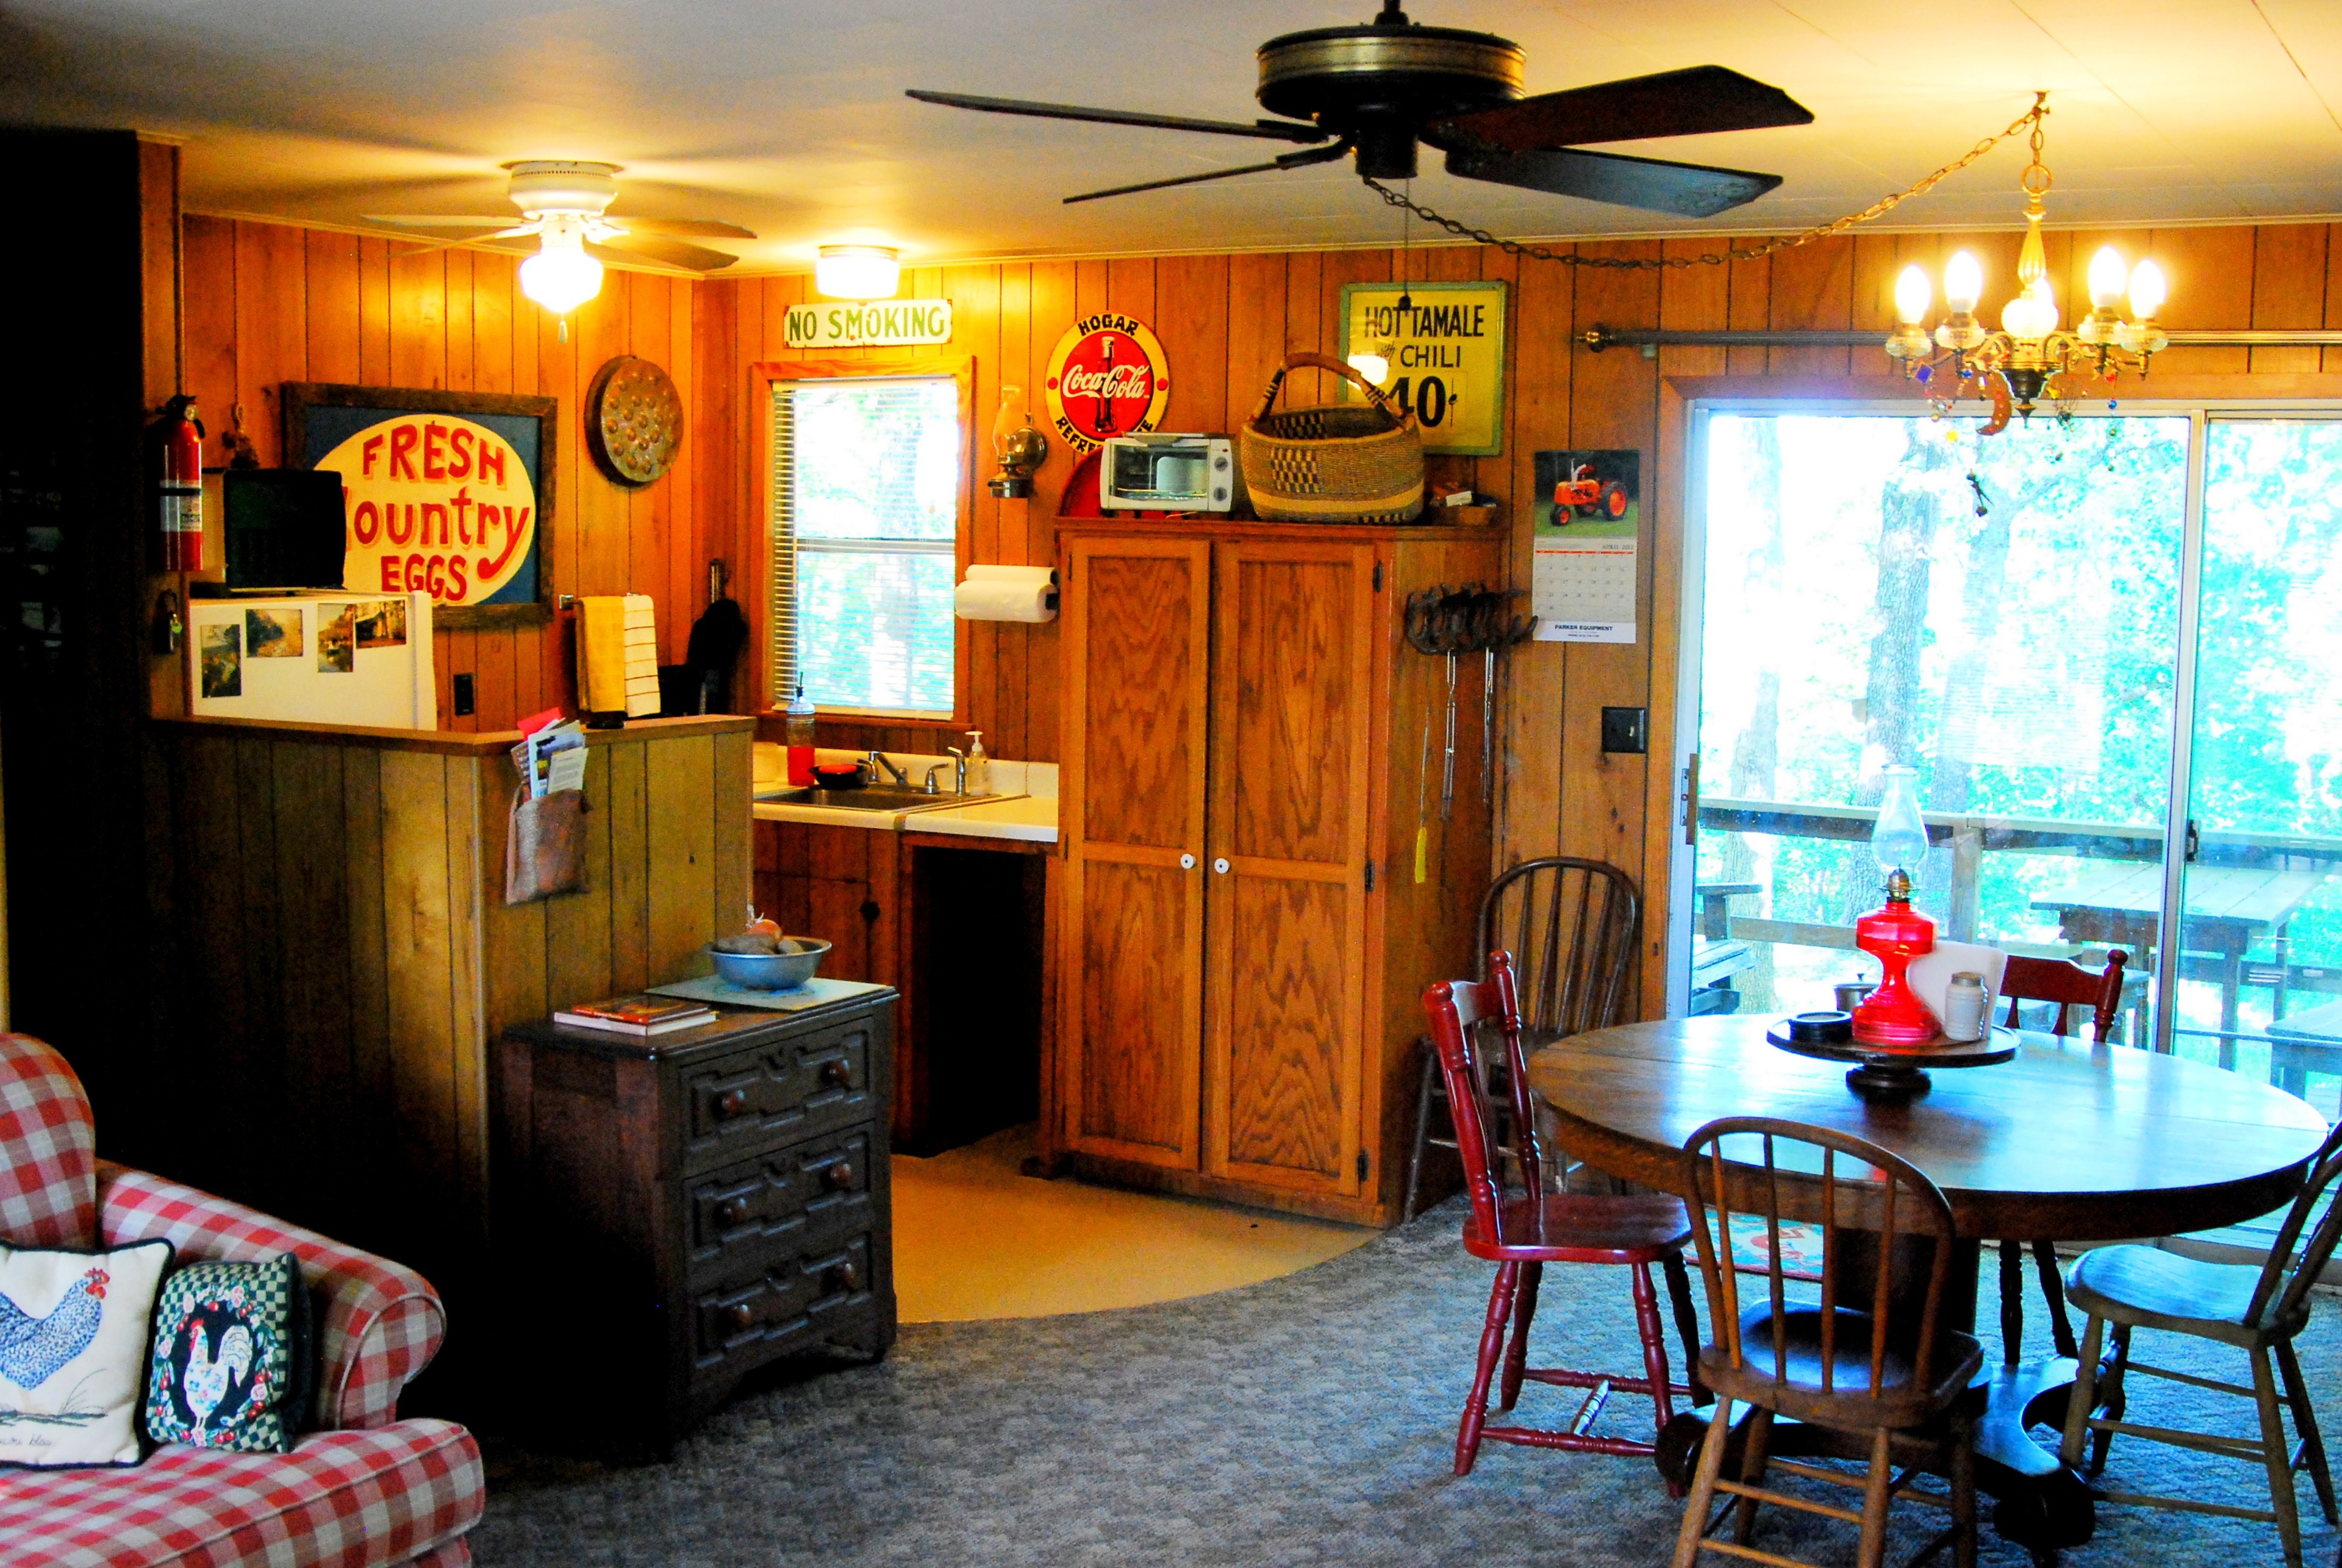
x=2065 y=1142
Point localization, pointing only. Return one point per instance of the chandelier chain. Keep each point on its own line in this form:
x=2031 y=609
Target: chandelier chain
x=2031 y=118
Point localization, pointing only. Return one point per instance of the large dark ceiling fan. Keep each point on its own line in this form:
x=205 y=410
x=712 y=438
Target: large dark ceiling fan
x=1379 y=89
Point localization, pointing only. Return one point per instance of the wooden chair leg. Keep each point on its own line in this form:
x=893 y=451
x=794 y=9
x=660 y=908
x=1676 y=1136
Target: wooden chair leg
x=2012 y=1302
x=2279 y=1457
x=1492 y=1345
x=2113 y=1393
x=2305 y=1422
x=1876 y=1499
x=2053 y=1290
x=1752 y=1473
x=1964 y=1501
x=1703 y=1485
x=1686 y=1322
x=2083 y=1396
x=1422 y=1130
x=1516 y=1353
x=1653 y=1333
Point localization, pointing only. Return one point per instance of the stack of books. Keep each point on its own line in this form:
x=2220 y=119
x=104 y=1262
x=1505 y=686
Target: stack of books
x=643 y=1016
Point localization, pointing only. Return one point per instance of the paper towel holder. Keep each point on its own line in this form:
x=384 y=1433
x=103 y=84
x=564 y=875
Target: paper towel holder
x=1028 y=578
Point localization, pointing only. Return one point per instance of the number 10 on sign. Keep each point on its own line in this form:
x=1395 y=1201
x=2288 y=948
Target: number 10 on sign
x=1445 y=353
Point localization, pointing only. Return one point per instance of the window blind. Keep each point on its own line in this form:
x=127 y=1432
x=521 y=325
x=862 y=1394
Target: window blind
x=865 y=484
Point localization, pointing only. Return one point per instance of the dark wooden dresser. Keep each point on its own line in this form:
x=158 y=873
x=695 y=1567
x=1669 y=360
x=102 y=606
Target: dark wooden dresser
x=672 y=1214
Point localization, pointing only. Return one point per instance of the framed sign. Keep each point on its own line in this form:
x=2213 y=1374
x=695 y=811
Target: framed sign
x=1445 y=353
x=449 y=493
x=1109 y=376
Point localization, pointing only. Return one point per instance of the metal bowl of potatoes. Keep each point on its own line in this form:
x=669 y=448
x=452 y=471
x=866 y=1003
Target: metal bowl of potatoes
x=764 y=968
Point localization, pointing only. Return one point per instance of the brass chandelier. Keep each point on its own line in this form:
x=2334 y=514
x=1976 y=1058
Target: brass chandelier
x=2028 y=358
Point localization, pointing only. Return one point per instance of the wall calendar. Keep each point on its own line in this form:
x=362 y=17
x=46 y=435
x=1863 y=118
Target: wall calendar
x=1589 y=520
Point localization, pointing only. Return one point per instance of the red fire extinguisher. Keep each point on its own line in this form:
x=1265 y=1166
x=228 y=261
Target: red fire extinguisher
x=180 y=500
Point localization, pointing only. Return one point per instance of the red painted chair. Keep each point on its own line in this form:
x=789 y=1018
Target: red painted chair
x=1521 y=1234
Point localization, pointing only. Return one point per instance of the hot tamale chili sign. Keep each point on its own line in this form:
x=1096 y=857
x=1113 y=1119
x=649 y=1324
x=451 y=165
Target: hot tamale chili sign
x=1109 y=376
x=441 y=498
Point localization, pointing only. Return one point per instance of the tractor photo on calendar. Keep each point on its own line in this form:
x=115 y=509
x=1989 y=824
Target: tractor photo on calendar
x=1588 y=494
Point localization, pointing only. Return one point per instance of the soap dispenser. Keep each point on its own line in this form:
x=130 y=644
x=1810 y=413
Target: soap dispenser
x=979 y=765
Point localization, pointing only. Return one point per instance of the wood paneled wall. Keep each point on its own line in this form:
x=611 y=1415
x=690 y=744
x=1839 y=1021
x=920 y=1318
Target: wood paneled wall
x=346 y=958
x=1225 y=320
x=269 y=303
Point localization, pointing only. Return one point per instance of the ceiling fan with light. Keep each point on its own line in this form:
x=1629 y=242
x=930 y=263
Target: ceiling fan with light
x=1376 y=90
x=564 y=205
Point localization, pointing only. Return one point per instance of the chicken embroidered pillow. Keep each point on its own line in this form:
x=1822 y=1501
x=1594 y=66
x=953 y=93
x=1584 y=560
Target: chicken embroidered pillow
x=232 y=1357
x=72 y=1352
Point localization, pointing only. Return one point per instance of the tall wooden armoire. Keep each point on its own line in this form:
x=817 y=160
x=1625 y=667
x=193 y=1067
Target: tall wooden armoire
x=1250 y=748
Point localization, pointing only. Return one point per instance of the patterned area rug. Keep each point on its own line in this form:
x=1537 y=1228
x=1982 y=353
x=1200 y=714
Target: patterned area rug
x=1307 y=1420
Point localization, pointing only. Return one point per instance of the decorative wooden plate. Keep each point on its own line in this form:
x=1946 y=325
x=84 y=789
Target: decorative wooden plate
x=634 y=421
x=1893 y=1072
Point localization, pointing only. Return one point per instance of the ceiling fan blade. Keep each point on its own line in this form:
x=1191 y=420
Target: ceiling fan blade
x=1271 y=130
x=471 y=236
x=675 y=252
x=1689 y=103
x=429 y=221
x=688 y=228
x=1686 y=190
x=1302 y=159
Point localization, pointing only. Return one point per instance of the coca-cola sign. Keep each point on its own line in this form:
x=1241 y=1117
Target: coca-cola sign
x=1108 y=377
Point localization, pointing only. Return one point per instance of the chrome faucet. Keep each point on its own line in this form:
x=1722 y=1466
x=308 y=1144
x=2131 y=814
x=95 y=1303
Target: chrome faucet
x=959 y=769
x=879 y=759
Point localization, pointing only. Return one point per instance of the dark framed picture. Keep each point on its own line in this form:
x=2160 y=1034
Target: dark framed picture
x=445 y=493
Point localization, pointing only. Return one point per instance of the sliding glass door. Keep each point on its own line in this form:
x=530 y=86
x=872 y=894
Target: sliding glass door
x=2111 y=646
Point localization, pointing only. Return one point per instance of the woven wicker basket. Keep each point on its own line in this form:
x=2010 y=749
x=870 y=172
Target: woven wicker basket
x=1342 y=462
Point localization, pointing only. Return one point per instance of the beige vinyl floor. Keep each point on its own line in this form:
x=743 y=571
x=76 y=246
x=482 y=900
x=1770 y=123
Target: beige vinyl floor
x=974 y=1239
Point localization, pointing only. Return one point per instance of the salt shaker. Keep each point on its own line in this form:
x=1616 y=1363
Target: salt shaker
x=1964 y=1007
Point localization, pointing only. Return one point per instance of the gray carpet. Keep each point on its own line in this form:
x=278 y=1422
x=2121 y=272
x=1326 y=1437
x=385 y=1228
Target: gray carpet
x=1309 y=1420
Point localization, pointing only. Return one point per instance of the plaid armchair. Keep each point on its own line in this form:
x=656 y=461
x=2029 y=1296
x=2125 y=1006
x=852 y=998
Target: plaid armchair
x=364 y=1488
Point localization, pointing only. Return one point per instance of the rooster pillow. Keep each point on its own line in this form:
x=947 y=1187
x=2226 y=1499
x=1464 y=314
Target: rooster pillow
x=72 y=1352
x=231 y=1356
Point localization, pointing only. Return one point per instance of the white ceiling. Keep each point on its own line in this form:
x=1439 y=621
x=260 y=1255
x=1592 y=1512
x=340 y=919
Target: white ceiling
x=789 y=115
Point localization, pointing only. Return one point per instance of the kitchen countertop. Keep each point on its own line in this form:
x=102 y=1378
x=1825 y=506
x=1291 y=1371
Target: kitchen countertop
x=1023 y=805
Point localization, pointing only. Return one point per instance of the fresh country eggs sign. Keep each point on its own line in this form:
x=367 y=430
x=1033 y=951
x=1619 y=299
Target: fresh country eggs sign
x=434 y=501
x=1109 y=376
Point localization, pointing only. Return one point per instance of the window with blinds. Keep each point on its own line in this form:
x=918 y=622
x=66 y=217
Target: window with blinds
x=866 y=485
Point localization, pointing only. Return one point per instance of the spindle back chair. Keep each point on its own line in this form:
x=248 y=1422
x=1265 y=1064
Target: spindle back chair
x=1522 y=1232
x=1876 y=1365
x=1570 y=924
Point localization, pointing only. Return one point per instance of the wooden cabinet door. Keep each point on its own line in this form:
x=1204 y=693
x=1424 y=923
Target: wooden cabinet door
x=1137 y=636
x=1293 y=651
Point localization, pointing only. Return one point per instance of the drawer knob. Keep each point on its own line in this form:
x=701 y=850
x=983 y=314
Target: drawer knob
x=838 y=1074
x=731 y=1102
x=732 y=1211
x=741 y=1316
x=839 y=1175
x=845 y=1277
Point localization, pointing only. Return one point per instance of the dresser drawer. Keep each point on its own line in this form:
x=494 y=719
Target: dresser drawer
x=783 y=1200
x=785 y=1089
x=793 y=1302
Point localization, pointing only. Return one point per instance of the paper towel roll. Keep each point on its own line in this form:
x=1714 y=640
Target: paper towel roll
x=1006 y=594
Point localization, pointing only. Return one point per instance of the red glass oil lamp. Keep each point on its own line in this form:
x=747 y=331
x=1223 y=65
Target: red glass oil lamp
x=1896 y=934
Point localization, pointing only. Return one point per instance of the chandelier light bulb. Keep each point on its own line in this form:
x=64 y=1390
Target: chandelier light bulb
x=1913 y=294
x=2107 y=277
x=1963 y=283
x=561 y=276
x=2147 y=291
x=858 y=272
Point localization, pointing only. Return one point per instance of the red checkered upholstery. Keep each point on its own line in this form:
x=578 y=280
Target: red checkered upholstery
x=48 y=1150
x=339 y=1499
x=370 y=1489
x=382 y=1321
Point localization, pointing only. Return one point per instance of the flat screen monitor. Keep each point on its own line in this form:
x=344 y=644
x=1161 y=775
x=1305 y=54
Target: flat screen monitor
x=284 y=527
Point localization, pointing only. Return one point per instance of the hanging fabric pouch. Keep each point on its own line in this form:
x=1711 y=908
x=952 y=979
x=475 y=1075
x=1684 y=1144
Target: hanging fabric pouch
x=544 y=851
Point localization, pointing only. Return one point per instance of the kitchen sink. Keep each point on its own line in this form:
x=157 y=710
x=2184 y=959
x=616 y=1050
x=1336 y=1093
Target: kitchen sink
x=875 y=799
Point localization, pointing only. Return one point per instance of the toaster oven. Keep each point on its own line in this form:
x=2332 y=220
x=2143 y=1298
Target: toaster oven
x=1161 y=473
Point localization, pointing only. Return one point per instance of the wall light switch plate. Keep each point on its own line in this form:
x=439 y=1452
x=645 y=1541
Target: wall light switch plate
x=1626 y=730
x=464 y=705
